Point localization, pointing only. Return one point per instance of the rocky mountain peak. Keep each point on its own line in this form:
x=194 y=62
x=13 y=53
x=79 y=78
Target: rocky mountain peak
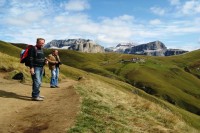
x=82 y=45
x=155 y=48
x=121 y=47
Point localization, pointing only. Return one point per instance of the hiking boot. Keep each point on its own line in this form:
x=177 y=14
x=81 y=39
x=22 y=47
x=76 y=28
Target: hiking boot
x=53 y=87
x=57 y=86
x=37 y=99
x=41 y=97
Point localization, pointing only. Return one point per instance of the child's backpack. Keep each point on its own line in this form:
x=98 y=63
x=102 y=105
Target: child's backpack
x=24 y=55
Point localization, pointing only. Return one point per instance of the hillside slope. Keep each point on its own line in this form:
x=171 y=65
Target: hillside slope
x=107 y=105
x=7 y=48
x=173 y=79
x=162 y=77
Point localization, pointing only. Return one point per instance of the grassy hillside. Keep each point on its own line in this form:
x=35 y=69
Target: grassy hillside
x=19 y=45
x=87 y=61
x=167 y=81
x=110 y=105
x=10 y=66
x=190 y=62
x=7 y=48
x=10 y=63
x=172 y=79
x=111 y=108
x=164 y=77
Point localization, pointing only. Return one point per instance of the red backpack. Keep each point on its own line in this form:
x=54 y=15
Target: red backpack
x=24 y=55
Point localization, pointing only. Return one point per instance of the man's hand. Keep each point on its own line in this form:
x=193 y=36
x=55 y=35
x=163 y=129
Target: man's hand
x=46 y=62
x=32 y=71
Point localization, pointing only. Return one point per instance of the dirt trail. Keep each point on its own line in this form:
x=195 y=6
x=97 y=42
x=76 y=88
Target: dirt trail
x=19 y=114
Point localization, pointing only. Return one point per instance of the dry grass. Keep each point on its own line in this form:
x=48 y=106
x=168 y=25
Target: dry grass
x=8 y=62
x=126 y=112
x=12 y=66
x=110 y=108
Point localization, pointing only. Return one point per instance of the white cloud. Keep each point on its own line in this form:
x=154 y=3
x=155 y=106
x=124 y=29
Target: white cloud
x=126 y=18
x=177 y=27
x=90 y=28
x=74 y=19
x=21 y=6
x=158 y=10
x=25 y=13
x=191 y=7
x=35 y=16
x=188 y=47
x=188 y=8
x=174 y=2
x=105 y=39
x=76 y=5
x=114 y=30
x=24 y=19
x=108 y=30
x=26 y=35
x=179 y=30
x=155 y=22
x=121 y=21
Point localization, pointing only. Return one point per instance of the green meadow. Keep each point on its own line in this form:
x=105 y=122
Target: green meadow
x=157 y=94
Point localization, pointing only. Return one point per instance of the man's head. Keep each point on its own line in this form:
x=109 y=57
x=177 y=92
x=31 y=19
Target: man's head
x=55 y=52
x=40 y=42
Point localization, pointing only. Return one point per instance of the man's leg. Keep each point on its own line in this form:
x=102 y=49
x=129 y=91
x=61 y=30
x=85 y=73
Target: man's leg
x=57 y=76
x=36 y=82
x=53 y=78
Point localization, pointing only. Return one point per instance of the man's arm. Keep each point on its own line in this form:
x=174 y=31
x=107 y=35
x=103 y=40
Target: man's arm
x=50 y=60
x=31 y=58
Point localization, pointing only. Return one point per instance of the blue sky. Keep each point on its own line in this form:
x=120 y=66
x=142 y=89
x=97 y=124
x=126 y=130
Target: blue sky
x=176 y=23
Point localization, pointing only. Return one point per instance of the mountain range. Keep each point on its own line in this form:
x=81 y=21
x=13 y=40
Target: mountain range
x=155 y=48
x=81 y=45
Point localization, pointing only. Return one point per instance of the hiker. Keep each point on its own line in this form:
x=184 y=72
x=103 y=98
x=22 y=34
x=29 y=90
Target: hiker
x=37 y=62
x=54 y=63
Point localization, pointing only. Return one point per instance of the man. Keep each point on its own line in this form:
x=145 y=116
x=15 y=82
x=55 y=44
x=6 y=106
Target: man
x=37 y=62
x=54 y=62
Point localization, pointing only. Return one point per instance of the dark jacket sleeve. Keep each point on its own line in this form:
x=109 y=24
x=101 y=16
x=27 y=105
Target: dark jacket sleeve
x=31 y=56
